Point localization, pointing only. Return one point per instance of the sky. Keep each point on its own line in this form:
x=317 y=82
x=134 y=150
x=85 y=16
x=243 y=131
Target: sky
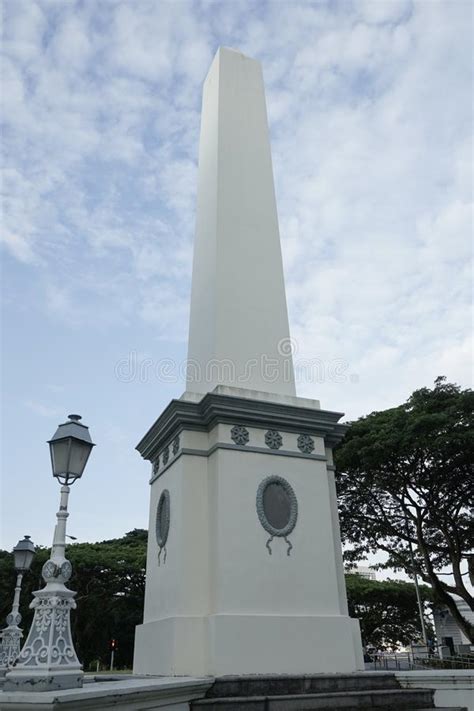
x=369 y=106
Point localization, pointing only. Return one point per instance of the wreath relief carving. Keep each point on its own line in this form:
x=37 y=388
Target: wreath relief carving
x=277 y=509
x=162 y=523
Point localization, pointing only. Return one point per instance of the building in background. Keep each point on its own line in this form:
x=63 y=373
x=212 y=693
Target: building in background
x=364 y=571
x=451 y=639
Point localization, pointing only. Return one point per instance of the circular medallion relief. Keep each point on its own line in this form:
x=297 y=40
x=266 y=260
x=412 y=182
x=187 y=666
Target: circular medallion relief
x=13 y=619
x=49 y=571
x=163 y=518
x=277 y=507
x=66 y=570
x=163 y=521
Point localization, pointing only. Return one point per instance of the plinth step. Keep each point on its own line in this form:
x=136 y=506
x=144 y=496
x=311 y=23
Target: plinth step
x=386 y=699
x=273 y=684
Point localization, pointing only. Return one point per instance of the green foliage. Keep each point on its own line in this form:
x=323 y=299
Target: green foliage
x=109 y=578
x=387 y=611
x=405 y=486
x=7 y=584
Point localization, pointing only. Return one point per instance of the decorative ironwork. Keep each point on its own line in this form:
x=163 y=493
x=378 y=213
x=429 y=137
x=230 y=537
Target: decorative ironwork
x=277 y=509
x=10 y=642
x=66 y=570
x=175 y=445
x=49 y=642
x=13 y=618
x=162 y=523
x=305 y=444
x=53 y=572
x=49 y=650
x=273 y=439
x=49 y=571
x=239 y=434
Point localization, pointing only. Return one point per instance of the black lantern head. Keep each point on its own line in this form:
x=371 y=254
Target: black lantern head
x=70 y=449
x=23 y=554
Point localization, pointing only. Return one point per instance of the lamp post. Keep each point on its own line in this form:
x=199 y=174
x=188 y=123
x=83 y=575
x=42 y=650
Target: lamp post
x=48 y=660
x=418 y=597
x=417 y=588
x=23 y=554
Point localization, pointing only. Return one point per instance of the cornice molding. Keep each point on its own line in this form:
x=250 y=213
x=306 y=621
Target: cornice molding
x=216 y=409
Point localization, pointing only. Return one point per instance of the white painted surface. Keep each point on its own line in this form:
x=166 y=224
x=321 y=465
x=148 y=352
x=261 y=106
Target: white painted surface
x=245 y=578
x=238 y=305
x=280 y=644
x=232 y=391
x=453 y=688
x=221 y=604
x=180 y=586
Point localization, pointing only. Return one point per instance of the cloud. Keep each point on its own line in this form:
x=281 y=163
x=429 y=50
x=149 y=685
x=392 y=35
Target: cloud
x=370 y=117
x=19 y=247
x=386 y=11
x=43 y=410
x=71 y=43
x=24 y=34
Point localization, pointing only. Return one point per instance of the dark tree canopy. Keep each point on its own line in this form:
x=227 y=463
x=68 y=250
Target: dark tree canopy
x=109 y=578
x=406 y=486
x=387 y=611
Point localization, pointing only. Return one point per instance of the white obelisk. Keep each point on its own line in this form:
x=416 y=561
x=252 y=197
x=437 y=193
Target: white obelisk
x=244 y=564
x=238 y=332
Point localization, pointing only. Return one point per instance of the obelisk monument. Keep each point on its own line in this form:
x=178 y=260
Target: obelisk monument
x=244 y=563
x=238 y=330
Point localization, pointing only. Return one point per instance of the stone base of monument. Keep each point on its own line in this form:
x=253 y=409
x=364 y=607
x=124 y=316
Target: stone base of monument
x=320 y=692
x=121 y=693
x=364 y=691
x=244 y=564
x=242 y=643
x=25 y=680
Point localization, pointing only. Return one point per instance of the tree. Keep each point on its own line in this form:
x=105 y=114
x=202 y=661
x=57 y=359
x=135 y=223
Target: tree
x=387 y=610
x=110 y=584
x=109 y=578
x=406 y=486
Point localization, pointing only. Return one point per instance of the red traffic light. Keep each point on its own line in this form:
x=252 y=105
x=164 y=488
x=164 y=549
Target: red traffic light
x=113 y=644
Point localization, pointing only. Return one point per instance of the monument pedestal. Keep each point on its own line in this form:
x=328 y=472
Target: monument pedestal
x=244 y=568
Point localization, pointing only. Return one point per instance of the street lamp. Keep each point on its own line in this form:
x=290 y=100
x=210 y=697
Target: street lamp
x=417 y=587
x=70 y=448
x=23 y=555
x=48 y=660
